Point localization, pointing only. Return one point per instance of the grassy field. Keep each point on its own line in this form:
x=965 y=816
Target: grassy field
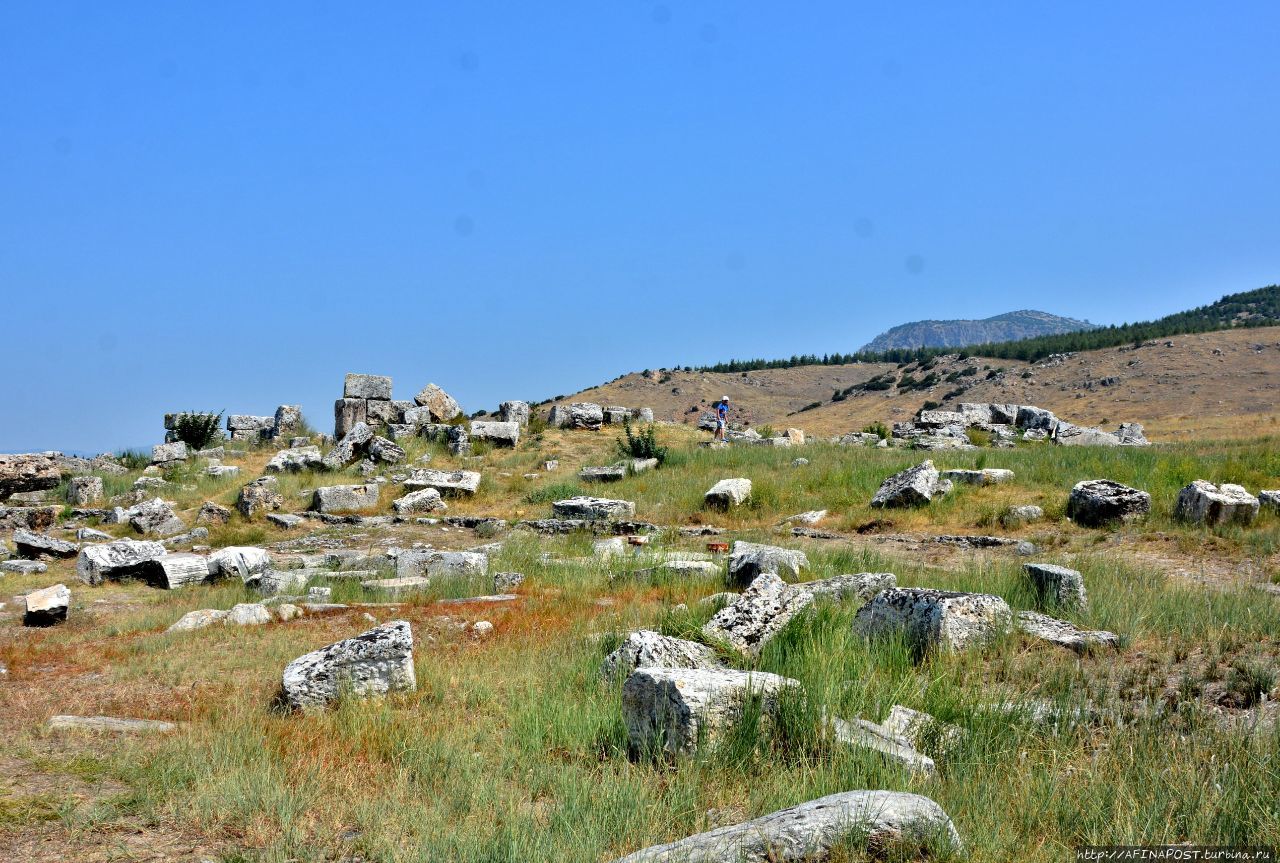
x=514 y=749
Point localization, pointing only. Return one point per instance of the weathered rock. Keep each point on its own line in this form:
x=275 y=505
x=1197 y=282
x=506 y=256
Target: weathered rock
x=245 y=562
x=868 y=735
x=441 y=406
x=169 y=453
x=250 y=428
x=921 y=730
x=497 y=433
x=648 y=649
x=614 y=546
x=1270 y=499
x=1098 y=502
x=212 y=513
x=28 y=472
x=198 y=619
x=442 y=564
x=259 y=496
x=860 y=586
x=640 y=465
x=84 y=490
x=1017 y=515
x=1057 y=586
x=124 y=558
x=1033 y=418
x=930 y=619
x=728 y=493
x=92 y=534
x=681 y=569
x=808 y=832
x=284 y=520
x=30 y=517
x=386 y=451
x=813 y=516
x=580 y=415
x=1063 y=633
x=760 y=613
x=345 y=498
x=747 y=560
x=47 y=606
x=109 y=724
x=381 y=412
x=175 y=571
x=593 y=508
x=515 y=411
x=34 y=546
x=939 y=419
x=357 y=386
x=347 y=414
x=914 y=486
x=24 y=567
x=247 y=614
x=296 y=459
x=455 y=482
x=610 y=473
x=986 y=476
x=353 y=445
x=273 y=582
x=673 y=710
x=371 y=664
x=155 y=517
x=505 y=582
x=1204 y=503
x=397 y=588
x=423 y=500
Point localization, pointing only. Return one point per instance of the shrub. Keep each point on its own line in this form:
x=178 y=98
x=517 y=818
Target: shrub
x=765 y=431
x=930 y=405
x=133 y=459
x=811 y=405
x=643 y=444
x=877 y=428
x=197 y=429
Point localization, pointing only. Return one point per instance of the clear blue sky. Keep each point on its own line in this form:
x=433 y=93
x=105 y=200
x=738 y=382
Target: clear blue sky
x=229 y=205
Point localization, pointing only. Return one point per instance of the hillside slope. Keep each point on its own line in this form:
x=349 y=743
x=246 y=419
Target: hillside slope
x=1221 y=384
x=1011 y=326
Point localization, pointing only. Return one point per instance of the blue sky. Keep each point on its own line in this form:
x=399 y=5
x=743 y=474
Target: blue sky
x=227 y=206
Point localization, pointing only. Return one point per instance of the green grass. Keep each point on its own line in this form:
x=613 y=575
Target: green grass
x=513 y=749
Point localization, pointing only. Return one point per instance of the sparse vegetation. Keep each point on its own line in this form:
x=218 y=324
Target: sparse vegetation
x=198 y=430
x=641 y=444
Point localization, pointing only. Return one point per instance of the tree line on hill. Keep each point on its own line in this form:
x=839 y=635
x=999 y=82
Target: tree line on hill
x=1258 y=308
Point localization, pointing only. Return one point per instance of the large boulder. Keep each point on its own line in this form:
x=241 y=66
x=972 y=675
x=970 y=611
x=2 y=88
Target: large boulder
x=984 y=476
x=441 y=406
x=914 y=486
x=84 y=490
x=423 y=500
x=385 y=451
x=593 y=508
x=1270 y=498
x=674 y=710
x=1064 y=633
x=155 y=517
x=728 y=493
x=514 y=411
x=345 y=498
x=259 y=496
x=370 y=664
x=455 y=482
x=245 y=562
x=580 y=415
x=174 y=571
x=47 y=606
x=861 y=734
x=366 y=387
x=443 y=565
x=928 y=619
x=609 y=473
x=860 y=586
x=295 y=460
x=876 y=820
x=1033 y=418
x=34 y=546
x=1057 y=586
x=1098 y=502
x=287 y=421
x=353 y=445
x=250 y=428
x=747 y=560
x=28 y=472
x=347 y=414
x=764 y=608
x=1202 y=502
x=648 y=649
x=124 y=558
x=169 y=453
x=497 y=433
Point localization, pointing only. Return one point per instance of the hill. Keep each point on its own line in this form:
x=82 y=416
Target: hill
x=1221 y=384
x=1009 y=327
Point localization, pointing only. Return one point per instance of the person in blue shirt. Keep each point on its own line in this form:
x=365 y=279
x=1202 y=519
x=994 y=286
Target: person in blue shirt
x=722 y=418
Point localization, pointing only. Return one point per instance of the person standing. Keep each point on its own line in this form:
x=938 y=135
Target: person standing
x=722 y=419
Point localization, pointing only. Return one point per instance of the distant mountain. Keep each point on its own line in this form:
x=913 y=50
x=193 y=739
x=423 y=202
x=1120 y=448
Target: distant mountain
x=1009 y=327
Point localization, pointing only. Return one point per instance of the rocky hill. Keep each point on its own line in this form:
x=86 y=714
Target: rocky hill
x=1011 y=326
x=1221 y=384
